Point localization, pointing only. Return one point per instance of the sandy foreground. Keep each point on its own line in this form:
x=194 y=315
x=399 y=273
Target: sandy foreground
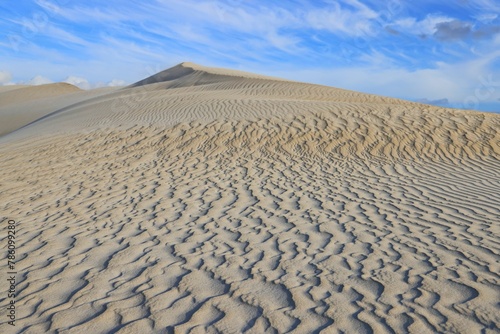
x=210 y=201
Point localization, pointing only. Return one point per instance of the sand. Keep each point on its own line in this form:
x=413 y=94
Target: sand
x=203 y=200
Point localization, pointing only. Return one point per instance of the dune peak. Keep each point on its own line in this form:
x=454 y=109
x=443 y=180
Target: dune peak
x=193 y=73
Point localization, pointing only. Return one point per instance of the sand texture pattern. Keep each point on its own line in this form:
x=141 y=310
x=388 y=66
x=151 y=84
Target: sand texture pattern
x=211 y=201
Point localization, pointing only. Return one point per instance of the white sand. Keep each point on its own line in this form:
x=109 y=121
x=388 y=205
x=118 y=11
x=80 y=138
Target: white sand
x=215 y=201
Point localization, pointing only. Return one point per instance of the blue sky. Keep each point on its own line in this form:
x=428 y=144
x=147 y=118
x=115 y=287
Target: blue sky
x=447 y=53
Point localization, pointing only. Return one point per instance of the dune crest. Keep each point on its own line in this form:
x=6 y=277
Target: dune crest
x=204 y=200
x=28 y=93
x=198 y=74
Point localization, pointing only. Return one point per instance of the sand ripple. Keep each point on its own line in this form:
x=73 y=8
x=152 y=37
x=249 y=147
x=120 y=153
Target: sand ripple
x=283 y=207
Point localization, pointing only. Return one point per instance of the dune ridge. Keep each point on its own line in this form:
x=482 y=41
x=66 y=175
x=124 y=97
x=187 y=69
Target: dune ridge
x=194 y=74
x=202 y=200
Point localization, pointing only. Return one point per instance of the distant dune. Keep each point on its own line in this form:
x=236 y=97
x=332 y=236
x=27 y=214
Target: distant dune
x=208 y=200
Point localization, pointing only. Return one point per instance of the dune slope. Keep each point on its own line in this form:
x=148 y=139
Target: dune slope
x=203 y=200
x=21 y=105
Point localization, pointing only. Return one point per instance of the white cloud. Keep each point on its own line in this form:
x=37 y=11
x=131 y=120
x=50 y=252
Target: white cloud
x=488 y=6
x=5 y=77
x=486 y=17
x=424 y=27
x=63 y=36
x=48 y=6
x=81 y=13
x=77 y=81
x=116 y=83
x=340 y=20
x=39 y=80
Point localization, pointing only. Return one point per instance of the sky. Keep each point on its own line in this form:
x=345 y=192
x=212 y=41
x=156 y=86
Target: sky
x=438 y=52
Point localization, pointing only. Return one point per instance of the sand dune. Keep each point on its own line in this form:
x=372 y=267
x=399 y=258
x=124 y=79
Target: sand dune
x=22 y=105
x=206 y=200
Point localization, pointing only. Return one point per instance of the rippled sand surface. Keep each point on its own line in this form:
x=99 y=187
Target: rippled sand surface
x=203 y=201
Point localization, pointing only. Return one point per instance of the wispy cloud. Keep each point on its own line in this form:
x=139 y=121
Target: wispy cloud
x=420 y=27
x=392 y=48
x=486 y=6
x=354 y=21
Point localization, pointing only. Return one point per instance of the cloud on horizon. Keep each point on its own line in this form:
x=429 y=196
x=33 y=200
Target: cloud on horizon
x=38 y=80
x=5 y=77
x=79 y=82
